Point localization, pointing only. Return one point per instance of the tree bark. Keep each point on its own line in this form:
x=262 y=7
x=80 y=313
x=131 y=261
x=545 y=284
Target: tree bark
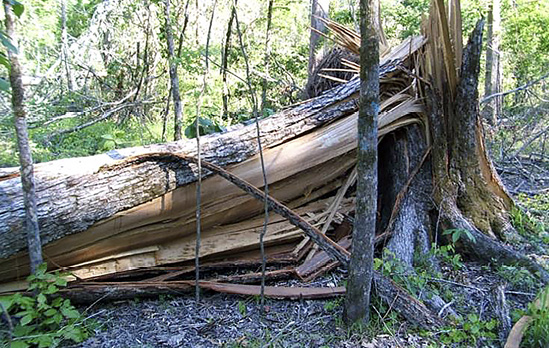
x=178 y=118
x=468 y=192
x=357 y=300
x=65 y=45
x=225 y=62
x=319 y=8
x=492 y=81
x=75 y=195
x=266 y=59
x=25 y=155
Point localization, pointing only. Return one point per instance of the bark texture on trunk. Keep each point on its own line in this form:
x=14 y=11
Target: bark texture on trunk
x=357 y=300
x=319 y=9
x=225 y=62
x=65 y=45
x=74 y=195
x=266 y=59
x=469 y=193
x=178 y=113
x=29 y=209
x=492 y=81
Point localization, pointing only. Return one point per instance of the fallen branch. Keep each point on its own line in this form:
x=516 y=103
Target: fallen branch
x=92 y=109
x=530 y=141
x=518 y=89
x=103 y=117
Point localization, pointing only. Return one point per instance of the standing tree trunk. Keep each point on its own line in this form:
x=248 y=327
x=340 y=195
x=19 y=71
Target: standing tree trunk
x=173 y=75
x=25 y=156
x=357 y=301
x=225 y=62
x=492 y=83
x=319 y=9
x=65 y=45
x=267 y=54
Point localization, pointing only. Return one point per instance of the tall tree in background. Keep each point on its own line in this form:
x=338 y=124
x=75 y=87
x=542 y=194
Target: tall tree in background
x=357 y=301
x=173 y=75
x=267 y=54
x=319 y=9
x=492 y=82
x=25 y=156
x=225 y=61
x=65 y=45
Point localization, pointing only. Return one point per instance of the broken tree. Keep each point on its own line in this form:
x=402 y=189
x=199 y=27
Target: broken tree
x=434 y=175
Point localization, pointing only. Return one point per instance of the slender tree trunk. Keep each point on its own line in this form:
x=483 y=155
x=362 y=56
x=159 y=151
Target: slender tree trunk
x=173 y=75
x=357 y=301
x=492 y=82
x=267 y=54
x=25 y=156
x=225 y=62
x=65 y=45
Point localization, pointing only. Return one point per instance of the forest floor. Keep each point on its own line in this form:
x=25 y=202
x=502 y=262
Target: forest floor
x=230 y=321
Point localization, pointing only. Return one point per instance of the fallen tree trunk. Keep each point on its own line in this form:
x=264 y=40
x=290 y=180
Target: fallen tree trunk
x=86 y=214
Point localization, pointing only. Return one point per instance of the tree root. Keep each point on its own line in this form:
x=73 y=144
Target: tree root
x=486 y=248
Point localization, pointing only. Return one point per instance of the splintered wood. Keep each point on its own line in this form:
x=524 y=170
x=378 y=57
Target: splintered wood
x=123 y=224
x=143 y=215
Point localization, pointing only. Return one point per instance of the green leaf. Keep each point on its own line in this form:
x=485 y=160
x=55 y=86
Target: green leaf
x=4 y=60
x=17 y=8
x=455 y=236
x=5 y=86
x=41 y=298
x=52 y=289
x=50 y=312
x=42 y=268
x=70 y=313
x=108 y=137
x=6 y=41
x=61 y=282
x=6 y=302
x=26 y=319
x=45 y=341
x=475 y=330
x=57 y=302
x=19 y=344
x=470 y=236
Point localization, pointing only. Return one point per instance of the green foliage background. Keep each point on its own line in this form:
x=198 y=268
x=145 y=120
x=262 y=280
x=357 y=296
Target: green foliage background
x=118 y=46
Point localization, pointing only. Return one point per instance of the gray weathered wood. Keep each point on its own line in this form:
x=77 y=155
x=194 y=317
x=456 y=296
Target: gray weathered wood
x=73 y=194
x=361 y=266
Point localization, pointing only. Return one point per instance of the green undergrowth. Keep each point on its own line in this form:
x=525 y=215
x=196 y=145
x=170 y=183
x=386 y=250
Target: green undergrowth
x=537 y=334
x=531 y=217
x=42 y=319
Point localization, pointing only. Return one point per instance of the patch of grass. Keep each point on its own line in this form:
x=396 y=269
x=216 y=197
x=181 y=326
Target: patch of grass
x=332 y=305
x=531 y=218
x=517 y=277
x=242 y=309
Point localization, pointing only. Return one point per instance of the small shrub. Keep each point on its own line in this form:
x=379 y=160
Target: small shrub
x=472 y=330
x=43 y=320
